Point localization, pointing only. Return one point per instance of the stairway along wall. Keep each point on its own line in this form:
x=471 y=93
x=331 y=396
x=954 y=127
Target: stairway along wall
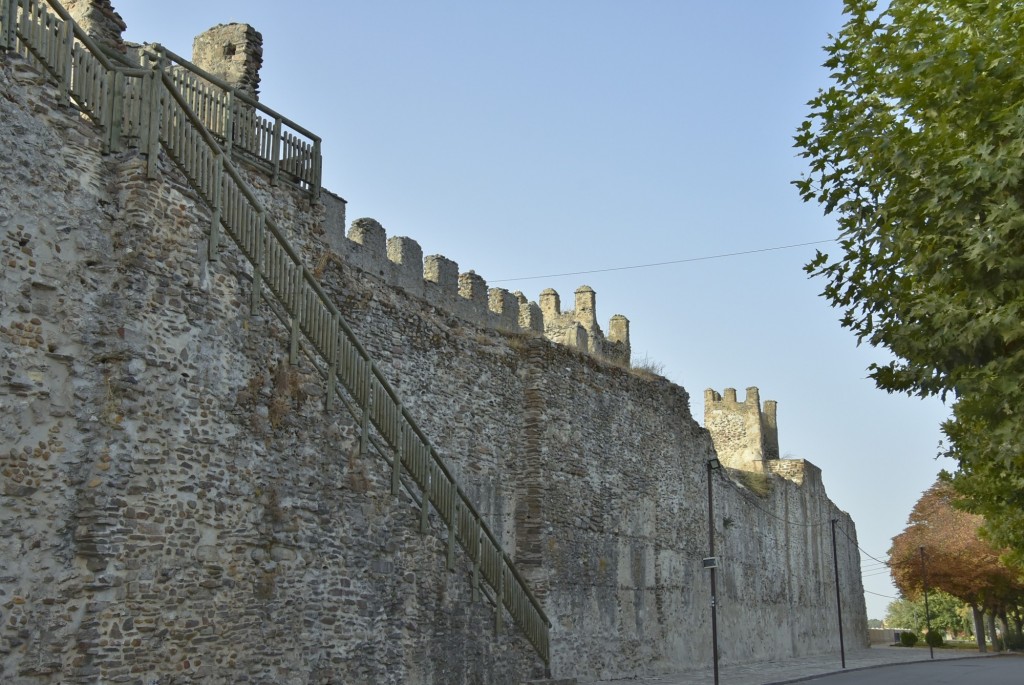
x=176 y=504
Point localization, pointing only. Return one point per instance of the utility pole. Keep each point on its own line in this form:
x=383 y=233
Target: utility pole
x=927 y=616
x=711 y=564
x=839 y=602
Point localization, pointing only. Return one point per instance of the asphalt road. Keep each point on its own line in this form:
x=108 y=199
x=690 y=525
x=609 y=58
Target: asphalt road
x=1003 y=670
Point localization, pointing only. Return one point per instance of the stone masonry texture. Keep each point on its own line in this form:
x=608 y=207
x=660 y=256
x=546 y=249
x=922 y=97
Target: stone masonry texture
x=177 y=507
x=233 y=52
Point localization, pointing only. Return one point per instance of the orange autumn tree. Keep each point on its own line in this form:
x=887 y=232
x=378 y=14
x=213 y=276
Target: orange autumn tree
x=956 y=560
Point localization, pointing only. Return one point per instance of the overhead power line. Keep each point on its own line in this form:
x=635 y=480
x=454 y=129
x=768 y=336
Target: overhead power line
x=875 y=574
x=863 y=551
x=674 y=261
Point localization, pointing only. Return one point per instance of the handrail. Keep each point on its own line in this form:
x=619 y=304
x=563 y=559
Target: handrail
x=165 y=117
x=342 y=328
x=266 y=142
x=217 y=81
x=240 y=128
x=81 y=35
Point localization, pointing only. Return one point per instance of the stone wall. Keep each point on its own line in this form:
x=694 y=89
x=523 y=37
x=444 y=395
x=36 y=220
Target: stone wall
x=177 y=507
x=596 y=478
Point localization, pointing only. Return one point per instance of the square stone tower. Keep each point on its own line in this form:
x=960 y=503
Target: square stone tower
x=232 y=53
x=100 y=20
x=744 y=435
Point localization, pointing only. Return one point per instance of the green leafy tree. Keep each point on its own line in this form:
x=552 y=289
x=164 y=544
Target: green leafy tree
x=905 y=614
x=917 y=149
x=948 y=614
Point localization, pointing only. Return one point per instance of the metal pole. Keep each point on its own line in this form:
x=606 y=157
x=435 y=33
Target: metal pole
x=714 y=603
x=927 y=616
x=839 y=603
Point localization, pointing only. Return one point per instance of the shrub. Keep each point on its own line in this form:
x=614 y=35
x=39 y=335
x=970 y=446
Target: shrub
x=755 y=481
x=908 y=639
x=645 y=367
x=933 y=638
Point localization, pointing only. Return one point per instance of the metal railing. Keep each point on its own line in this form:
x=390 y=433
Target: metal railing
x=157 y=105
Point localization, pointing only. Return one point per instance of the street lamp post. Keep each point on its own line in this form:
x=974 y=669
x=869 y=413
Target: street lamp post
x=839 y=601
x=927 y=615
x=711 y=563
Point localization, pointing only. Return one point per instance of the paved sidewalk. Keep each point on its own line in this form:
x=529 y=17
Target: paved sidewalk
x=794 y=670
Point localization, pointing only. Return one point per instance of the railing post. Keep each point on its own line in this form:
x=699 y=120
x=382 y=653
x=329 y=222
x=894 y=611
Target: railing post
x=276 y=152
x=396 y=465
x=453 y=532
x=476 y=564
x=152 y=116
x=8 y=16
x=332 y=362
x=66 y=35
x=364 y=436
x=257 y=263
x=499 y=597
x=317 y=171
x=218 y=179
x=229 y=124
x=425 y=504
x=297 y=300
x=115 y=106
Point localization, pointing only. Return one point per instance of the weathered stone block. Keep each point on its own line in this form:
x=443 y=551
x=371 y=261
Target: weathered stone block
x=233 y=53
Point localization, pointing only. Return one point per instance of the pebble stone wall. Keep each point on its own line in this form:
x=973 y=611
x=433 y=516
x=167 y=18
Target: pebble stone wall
x=178 y=508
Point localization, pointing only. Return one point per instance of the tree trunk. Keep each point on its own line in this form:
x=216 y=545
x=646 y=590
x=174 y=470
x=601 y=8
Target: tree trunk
x=1010 y=636
x=979 y=628
x=1005 y=626
x=990 y=623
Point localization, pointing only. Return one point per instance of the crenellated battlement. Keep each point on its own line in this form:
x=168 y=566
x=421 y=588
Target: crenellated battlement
x=399 y=261
x=745 y=436
x=234 y=54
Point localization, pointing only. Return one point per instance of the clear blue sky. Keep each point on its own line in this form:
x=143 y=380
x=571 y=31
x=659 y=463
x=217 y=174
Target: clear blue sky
x=534 y=137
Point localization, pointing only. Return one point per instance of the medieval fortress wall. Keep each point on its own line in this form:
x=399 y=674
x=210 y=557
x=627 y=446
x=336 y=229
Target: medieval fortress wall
x=177 y=506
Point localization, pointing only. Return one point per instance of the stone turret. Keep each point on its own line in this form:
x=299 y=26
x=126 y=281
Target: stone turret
x=586 y=307
x=744 y=435
x=770 y=426
x=618 y=337
x=100 y=20
x=232 y=53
